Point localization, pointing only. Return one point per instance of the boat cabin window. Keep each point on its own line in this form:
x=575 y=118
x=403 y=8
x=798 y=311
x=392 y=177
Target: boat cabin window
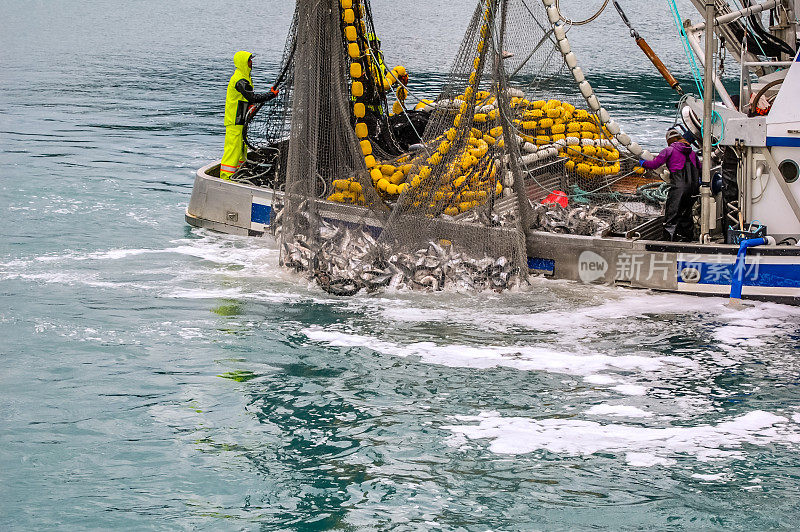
x=789 y=170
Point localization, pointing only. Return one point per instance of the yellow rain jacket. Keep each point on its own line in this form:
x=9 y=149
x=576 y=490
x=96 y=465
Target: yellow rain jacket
x=237 y=101
x=377 y=65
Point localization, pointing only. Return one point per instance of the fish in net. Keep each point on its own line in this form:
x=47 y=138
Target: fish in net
x=366 y=207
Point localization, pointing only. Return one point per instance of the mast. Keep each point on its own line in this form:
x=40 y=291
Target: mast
x=708 y=109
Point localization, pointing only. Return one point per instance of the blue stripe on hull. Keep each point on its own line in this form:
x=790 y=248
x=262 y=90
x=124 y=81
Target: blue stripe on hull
x=766 y=275
x=543 y=265
x=784 y=142
x=260 y=214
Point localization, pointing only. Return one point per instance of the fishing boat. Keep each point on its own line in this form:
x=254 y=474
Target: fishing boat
x=504 y=158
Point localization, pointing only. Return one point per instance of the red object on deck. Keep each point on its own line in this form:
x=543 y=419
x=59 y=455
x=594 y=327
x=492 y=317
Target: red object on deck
x=557 y=196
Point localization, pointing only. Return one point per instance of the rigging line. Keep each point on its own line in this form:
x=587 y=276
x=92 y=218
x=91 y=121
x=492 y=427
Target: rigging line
x=687 y=49
x=611 y=183
x=750 y=29
x=538 y=80
x=698 y=78
x=408 y=90
x=768 y=37
x=624 y=17
x=536 y=20
x=530 y=55
x=411 y=123
x=581 y=22
x=548 y=34
x=286 y=67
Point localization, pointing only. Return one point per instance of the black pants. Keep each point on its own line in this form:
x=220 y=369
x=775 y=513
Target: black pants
x=684 y=187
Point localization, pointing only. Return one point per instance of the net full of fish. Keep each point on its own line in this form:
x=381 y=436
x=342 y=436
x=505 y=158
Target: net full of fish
x=457 y=210
x=351 y=259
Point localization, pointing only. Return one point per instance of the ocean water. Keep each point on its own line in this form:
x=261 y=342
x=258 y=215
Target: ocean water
x=156 y=376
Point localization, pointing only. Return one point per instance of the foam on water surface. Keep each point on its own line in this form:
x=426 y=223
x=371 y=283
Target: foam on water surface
x=617 y=411
x=641 y=446
x=599 y=379
x=709 y=477
x=630 y=389
x=522 y=358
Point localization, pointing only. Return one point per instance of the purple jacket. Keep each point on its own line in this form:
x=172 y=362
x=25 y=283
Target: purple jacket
x=675 y=157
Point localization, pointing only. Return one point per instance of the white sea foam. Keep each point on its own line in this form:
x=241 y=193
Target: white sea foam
x=585 y=321
x=630 y=389
x=523 y=358
x=709 y=477
x=514 y=435
x=69 y=278
x=114 y=254
x=751 y=326
x=144 y=217
x=189 y=333
x=241 y=294
x=412 y=314
x=74 y=256
x=617 y=411
x=202 y=293
x=225 y=253
x=222 y=249
x=647 y=460
x=588 y=319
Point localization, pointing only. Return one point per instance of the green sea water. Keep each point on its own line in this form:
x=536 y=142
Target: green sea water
x=156 y=376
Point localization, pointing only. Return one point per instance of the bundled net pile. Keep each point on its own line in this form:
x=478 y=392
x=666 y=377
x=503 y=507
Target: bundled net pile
x=500 y=138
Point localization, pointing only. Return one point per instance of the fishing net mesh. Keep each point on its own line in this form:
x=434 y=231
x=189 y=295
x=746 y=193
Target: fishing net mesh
x=267 y=123
x=505 y=151
x=568 y=155
x=454 y=187
x=267 y=126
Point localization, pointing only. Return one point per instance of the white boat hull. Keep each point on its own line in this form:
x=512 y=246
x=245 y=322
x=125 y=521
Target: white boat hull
x=772 y=273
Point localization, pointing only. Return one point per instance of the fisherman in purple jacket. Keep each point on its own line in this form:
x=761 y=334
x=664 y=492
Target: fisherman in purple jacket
x=684 y=170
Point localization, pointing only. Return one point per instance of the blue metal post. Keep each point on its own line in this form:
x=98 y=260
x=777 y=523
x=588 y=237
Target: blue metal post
x=739 y=268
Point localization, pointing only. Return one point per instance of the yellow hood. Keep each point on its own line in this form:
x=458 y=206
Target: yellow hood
x=240 y=60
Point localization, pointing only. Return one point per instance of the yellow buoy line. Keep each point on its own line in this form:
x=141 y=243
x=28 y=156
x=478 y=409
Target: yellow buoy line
x=459 y=170
x=466 y=185
x=355 y=30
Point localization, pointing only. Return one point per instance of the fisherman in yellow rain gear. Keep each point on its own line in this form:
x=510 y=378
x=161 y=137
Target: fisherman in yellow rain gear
x=379 y=82
x=383 y=77
x=239 y=98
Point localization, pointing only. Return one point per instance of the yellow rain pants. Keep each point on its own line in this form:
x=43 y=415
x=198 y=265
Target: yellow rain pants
x=235 y=151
